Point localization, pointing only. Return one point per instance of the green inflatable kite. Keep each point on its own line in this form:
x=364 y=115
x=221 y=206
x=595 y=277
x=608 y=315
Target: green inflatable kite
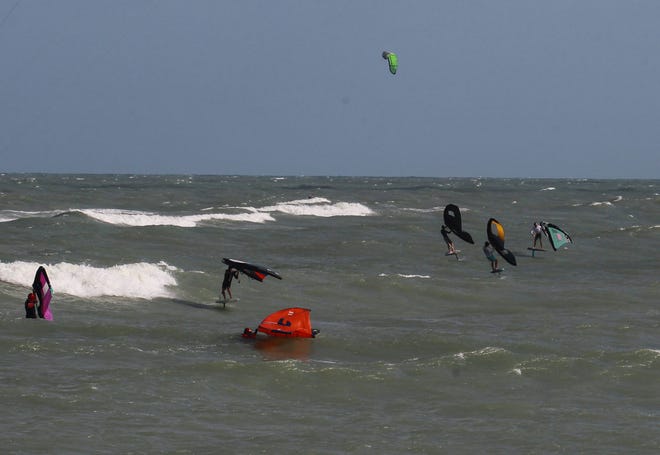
x=392 y=60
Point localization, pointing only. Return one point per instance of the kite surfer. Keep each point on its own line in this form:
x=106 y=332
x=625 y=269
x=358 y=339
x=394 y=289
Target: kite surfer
x=490 y=254
x=445 y=235
x=31 y=306
x=230 y=274
x=537 y=230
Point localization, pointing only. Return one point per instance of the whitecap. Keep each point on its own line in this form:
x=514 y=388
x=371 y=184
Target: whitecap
x=310 y=200
x=607 y=203
x=13 y=215
x=410 y=209
x=138 y=218
x=487 y=351
x=402 y=275
x=137 y=280
x=550 y=188
x=319 y=207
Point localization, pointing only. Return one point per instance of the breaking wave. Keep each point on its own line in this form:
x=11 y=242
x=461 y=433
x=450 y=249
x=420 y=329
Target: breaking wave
x=320 y=207
x=138 y=280
x=316 y=207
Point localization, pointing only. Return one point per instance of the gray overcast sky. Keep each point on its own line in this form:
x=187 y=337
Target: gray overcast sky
x=562 y=88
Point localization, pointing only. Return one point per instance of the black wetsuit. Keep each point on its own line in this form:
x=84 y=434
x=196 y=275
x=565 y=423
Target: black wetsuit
x=30 y=312
x=229 y=275
x=444 y=233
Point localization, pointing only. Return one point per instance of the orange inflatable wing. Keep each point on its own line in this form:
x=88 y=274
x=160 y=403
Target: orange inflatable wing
x=289 y=322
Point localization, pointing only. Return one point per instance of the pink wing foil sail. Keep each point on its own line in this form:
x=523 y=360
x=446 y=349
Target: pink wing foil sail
x=42 y=288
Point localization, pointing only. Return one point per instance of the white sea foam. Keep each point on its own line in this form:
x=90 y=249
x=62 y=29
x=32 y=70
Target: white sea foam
x=320 y=207
x=633 y=228
x=402 y=275
x=487 y=351
x=607 y=203
x=12 y=215
x=431 y=210
x=138 y=280
x=6 y=217
x=137 y=218
x=550 y=188
x=317 y=206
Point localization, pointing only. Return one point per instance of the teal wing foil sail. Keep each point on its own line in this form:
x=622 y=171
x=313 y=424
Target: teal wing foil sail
x=557 y=236
x=452 y=218
x=392 y=61
x=256 y=272
x=495 y=232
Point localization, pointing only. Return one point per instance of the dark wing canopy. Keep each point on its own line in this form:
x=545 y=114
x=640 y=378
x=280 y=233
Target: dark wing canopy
x=452 y=218
x=495 y=232
x=256 y=272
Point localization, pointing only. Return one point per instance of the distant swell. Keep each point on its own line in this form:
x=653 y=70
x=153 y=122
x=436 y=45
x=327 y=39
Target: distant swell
x=318 y=207
x=314 y=207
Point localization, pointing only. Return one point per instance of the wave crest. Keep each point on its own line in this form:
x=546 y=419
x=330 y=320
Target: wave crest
x=138 y=219
x=320 y=207
x=317 y=206
x=138 y=280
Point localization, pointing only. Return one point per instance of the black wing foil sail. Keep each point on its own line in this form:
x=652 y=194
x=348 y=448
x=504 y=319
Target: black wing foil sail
x=495 y=232
x=256 y=272
x=452 y=217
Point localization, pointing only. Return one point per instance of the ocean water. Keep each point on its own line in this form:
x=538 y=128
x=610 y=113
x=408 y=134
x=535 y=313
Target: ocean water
x=418 y=352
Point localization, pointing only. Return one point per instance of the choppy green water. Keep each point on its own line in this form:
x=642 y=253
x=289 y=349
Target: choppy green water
x=418 y=352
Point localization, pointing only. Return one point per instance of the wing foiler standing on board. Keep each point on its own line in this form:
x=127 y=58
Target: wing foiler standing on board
x=495 y=233
x=453 y=222
x=234 y=266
